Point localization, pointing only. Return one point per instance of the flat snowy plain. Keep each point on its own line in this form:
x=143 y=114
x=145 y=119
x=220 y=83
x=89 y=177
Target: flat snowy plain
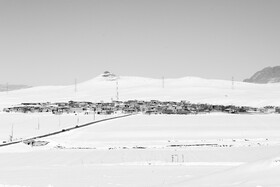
x=143 y=150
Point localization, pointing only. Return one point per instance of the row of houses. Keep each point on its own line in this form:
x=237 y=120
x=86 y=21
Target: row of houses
x=135 y=106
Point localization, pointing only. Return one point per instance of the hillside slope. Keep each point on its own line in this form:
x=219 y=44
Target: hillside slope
x=10 y=87
x=267 y=75
x=192 y=89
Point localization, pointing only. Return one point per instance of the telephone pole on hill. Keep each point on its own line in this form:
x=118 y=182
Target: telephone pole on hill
x=75 y=85
x=232 y=83
x=7 y=88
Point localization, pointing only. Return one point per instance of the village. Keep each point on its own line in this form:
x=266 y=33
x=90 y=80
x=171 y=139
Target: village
x=136 y=106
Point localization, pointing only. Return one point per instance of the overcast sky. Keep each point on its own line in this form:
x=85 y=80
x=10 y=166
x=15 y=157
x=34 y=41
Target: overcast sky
x=52 y=42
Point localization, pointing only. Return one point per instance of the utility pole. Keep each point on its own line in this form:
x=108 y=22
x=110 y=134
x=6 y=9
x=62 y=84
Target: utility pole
x=7 y=87
x=94 y=115
x=38 y=125
x=117 y=89
x=232 y=83
x=78 y=119
x=59 y=121
x=75 y=85
x=12 y=133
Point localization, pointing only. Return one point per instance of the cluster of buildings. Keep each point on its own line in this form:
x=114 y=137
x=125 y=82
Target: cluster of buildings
x=135 y=106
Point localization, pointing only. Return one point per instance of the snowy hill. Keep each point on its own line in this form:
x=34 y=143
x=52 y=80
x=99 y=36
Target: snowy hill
x=193 y=89
x=10 y=87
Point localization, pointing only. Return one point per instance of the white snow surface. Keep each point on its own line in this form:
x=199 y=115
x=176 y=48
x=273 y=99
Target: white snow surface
x=261 y=173
x=192 y=89
x=158 y=150
x=144 y=150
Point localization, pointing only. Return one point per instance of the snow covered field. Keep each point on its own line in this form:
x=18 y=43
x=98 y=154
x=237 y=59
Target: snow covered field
x=210 y=150
x=144 y=150
x=34 y=124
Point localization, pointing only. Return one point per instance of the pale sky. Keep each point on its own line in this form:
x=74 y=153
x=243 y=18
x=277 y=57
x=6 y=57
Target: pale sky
x=52 y=42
